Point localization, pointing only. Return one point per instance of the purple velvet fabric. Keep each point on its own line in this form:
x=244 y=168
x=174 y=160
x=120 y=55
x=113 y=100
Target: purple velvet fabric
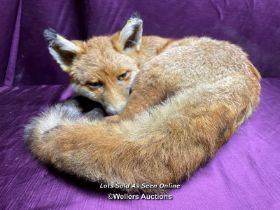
x=245 y=174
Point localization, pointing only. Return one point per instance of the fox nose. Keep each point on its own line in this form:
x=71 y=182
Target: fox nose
x=113 y=110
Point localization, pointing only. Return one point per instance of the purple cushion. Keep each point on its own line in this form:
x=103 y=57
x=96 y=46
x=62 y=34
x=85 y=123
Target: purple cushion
x=245 y=174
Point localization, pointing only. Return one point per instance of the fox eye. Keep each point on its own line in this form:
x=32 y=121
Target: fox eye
x=95 y=84
x=123 y=76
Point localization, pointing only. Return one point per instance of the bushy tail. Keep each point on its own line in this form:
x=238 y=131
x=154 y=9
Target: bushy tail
x=164 y=144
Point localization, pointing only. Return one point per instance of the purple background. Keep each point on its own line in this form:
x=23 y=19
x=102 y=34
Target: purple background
x=246 y=171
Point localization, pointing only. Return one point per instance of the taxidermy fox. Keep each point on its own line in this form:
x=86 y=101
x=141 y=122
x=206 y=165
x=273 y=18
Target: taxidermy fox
x=174 y=103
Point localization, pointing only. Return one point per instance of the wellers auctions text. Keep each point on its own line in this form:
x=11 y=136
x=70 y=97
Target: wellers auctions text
x=142 y=186
x=118 y=196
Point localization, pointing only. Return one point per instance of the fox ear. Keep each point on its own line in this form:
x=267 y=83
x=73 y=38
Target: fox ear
x=130 y=36
x=63 y=50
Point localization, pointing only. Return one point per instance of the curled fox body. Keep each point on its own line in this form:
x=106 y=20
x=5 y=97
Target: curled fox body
x=175 y=103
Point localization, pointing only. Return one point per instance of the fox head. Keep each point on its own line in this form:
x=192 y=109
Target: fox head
x=102 y=68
